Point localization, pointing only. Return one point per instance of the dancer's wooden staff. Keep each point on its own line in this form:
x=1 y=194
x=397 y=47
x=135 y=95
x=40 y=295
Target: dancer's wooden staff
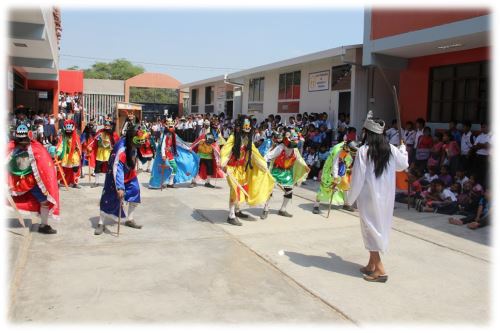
x=13 y=205
x=88 y=161
x=119 y=217
x=61 y=171
x=331 y=199
x=163 y=167
x=235 y=182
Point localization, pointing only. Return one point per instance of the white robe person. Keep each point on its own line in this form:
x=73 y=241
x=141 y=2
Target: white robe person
x=375 y=196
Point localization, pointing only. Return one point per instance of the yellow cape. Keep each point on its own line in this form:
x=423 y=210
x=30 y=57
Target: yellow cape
x=259 y=181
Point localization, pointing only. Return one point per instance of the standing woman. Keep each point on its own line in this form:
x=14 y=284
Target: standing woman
x=373 y=186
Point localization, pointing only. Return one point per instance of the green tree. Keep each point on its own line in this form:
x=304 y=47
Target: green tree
x=119 y=69
x=73 y=68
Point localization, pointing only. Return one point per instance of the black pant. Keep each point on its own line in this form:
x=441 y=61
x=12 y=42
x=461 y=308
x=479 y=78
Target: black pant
x=481 y=163
x=289 y=190
x=483 y=221
x=208 y=165
x=98 y=166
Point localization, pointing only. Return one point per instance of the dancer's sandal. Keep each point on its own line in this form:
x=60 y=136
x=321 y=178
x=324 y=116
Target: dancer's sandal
x=379 y=278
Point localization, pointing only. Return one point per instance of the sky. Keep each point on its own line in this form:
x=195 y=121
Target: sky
x=225 y=40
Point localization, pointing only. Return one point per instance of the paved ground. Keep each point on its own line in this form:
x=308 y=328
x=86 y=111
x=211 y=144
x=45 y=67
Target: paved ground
x=188 y=265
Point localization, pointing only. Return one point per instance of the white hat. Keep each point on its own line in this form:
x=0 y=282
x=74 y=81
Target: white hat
x=373 y=126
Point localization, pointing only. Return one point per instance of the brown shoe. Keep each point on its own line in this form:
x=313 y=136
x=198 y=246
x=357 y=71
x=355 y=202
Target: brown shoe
x=132 y=224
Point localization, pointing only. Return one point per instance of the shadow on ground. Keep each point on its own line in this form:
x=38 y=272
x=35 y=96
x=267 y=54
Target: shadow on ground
x=332 y=263
x=219 y=216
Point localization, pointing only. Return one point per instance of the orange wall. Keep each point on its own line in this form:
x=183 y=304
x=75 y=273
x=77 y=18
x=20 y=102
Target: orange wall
x=390 y=22
x=414 y=81
x=71 y=81
x=47 y=85
x=150 y=80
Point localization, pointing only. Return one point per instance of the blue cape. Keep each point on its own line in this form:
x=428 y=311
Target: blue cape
x=187 y=165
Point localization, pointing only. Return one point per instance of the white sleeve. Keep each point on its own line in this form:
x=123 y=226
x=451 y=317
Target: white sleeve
x=358 y=176
x=401 y=157
x=163 y=147
x=272 y=154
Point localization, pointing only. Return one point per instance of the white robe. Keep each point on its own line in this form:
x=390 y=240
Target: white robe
x=375 y=196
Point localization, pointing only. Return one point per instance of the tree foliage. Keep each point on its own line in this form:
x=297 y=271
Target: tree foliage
x=119 y=69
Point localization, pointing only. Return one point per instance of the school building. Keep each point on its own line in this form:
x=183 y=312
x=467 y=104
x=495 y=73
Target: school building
x=437 y=61
x=33 y=57
x=440 y=59
x=330 y=81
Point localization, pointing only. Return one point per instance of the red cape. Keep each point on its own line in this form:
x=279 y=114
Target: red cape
x=45 y=175
x=202 y=173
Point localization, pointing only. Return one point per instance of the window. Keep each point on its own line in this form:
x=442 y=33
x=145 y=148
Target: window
x=289 y=85
x=194 y=101
x=209 y=95
x=256 y=95
x=289 y=92
x=256 y=90
x=194 y=97
x=459 y=92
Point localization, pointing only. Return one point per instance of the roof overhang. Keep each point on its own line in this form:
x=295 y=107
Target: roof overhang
x=457 y=36
x=312 y=57
x=32 y=43
x=347 y=52
x=208 y=81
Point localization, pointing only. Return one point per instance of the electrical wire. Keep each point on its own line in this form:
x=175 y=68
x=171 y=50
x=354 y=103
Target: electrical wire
x=154 y=64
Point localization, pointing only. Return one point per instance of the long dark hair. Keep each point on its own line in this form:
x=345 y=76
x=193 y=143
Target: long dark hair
x=238 y=133
x=379 y=149
x=129 y=147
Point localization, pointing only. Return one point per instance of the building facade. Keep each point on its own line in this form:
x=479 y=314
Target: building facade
x=33 y=57
x=100 y=97
x=158 y=93
x=436 y=60
x=440 y=60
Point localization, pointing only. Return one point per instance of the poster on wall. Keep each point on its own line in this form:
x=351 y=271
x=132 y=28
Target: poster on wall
x=319 y=81
x=220 y=93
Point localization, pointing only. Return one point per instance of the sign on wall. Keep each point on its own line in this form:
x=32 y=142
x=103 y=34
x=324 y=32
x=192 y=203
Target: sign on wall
x=319 y=81
x=220 y=93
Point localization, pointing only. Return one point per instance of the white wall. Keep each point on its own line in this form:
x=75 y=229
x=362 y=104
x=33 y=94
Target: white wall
x=359 y=96
x=310 y=102
x=383 y=104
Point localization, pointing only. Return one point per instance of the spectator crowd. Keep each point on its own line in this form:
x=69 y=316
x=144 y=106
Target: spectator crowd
x=448 y=173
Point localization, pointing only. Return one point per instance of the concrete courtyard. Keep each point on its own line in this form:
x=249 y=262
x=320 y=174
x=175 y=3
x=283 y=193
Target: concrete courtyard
x=187 y=265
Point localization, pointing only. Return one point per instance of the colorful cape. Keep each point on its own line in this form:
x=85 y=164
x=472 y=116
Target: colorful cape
x=202 y=173
x=93 y=145
x=69 y=159
x=45 y=176
x=86 y=158
x=260 y=181
x=265 y=146
x=147 y=150
x=119 y=176
x=300 y=169
x=187 y=165
x=63 y=143
x=325 y=189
